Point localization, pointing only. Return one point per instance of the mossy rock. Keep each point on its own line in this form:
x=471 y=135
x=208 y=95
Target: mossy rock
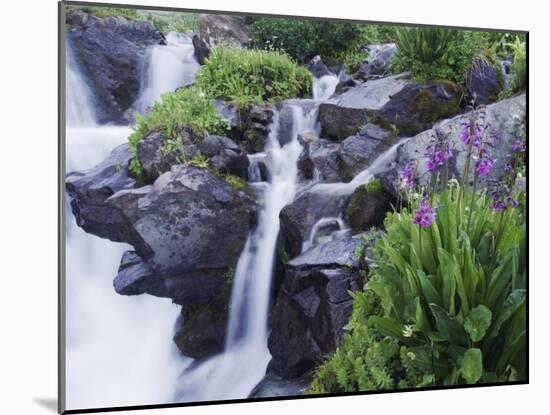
x=367 y=207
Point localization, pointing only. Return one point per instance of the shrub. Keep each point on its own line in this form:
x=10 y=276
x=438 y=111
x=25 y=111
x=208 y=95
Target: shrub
x=434 y=53
x=519 y=67
x=184 y=108
x=106 y=11
x=172 y=21
x=248 y=76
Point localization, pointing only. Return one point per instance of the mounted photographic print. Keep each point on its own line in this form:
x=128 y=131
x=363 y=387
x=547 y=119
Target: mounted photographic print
x=272 y=207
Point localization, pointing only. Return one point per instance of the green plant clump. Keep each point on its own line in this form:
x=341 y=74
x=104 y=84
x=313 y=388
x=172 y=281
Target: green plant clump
x=434 y=53
x=251 y=76
x=519 y=67
x=176 y=111
x=107 y=11
x=172 y=21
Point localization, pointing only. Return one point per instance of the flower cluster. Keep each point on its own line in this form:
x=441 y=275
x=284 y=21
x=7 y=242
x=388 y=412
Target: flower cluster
x=437 y=155
x=518 y=146
x=484 y=163
x=471 y=136
x=502 y=199
x=407 y=174
x=424 y=215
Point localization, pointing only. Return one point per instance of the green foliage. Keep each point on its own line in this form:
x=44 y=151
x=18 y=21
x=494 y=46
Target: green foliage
x=101 y=11
x=199 y=160
x=248 y=76
x=172 y=21
x=519 y=67
x=237 y=183
x=434 y=53
x=336 y=42
x=176 y=111
x=452 y=294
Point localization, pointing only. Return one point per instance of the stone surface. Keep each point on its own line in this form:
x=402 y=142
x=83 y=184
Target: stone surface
x=484 y=81
x=378 y=61
x=313 y=306
x=367 y=207
x=109 y=51
x=219 y=29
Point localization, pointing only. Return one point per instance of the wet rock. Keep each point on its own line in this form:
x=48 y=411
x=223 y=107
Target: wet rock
x=484 y=81
x=377 y=62
x=201 y=49
x=297 y=219
x=367 y=207
x=391 y=102
x=216 y=29
x=110 y=50
x=225 y=155
x=318 y=68
x=273 y=385
x=319 y=159
x=88 y=191
x=359 y=151
x=313 y=306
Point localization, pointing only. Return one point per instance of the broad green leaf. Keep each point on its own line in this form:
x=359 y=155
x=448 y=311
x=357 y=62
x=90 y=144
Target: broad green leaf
x=472 y=365
x=477 y=322
x=512 y=303
x=387 y=326
x=430 y=293
x=447 y=326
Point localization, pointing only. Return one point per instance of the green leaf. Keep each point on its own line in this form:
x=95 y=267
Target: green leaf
x=472 y=365
x=477 y=322
x=512 y=303
x=450 y=329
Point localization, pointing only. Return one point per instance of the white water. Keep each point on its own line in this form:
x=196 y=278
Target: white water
x=119 y=350
x=242 y=365
x=382 y=163
x=318 y=226
x=168 y=67
x=324 y=87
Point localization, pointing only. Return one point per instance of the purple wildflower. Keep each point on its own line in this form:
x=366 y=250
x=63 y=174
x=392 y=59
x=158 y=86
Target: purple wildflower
x=437 y=155
x=424 y=215
x=518 y=146
x=485 y=163
x=473 y=139
x=498 y=205
x=407 y=174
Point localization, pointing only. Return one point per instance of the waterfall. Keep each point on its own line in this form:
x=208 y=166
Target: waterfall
x=321 y=224
x=115 y=345
x=167 y=67
x=242 y=365
x=324 y=87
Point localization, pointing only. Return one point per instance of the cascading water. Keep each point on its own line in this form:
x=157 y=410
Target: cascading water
x=115 y=345
x=324 y=87
x=242 y=365
x=167 y=68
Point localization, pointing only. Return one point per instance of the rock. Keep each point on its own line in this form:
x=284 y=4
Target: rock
x=313 y=306
x=273 y=385
x=89 y=190
x=484 y=81
x=225 y=155
x=201 y=330
x=289 y=112
x=345 y=82
x=318 y=68
x=319 y=159
x=367 y=207
x=182 y=216
x=359 y=151
x=216 y=29
x=201 y=49
x=110 y=50
x=392 y=101
x=500 y=122
x=378 y=61
x=297 y=219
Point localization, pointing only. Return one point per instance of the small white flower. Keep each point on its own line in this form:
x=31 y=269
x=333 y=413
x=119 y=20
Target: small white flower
x=407 y=330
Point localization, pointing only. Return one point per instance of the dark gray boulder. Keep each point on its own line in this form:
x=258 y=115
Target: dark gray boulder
x=391 y=102
x=318 y=68
x=225 y=155
x=297 y=219
x=88 y=191
x=359 y=151
x=111 y=50
x=185 y=213
x=378 y=61
x=219 y=29
x=313 y=306
x=201 y=49
x=367 y=207
x=319 y=159
x=484 y=81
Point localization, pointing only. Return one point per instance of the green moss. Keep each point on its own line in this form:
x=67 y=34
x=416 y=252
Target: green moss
x=283 y=253
x=237 y=183
x=430 y=109
x=374 y=186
